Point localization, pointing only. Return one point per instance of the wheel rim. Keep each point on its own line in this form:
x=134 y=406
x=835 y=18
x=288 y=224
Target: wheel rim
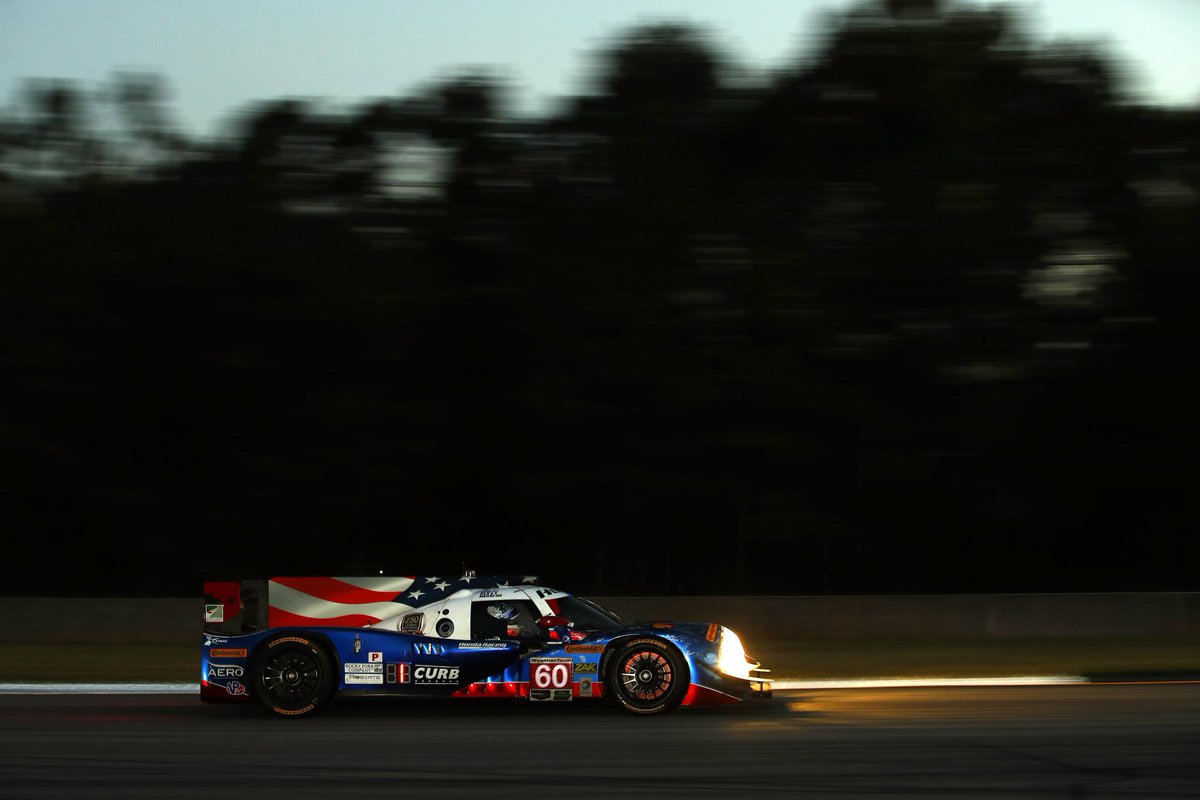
x=646 y=676
x=291 y=677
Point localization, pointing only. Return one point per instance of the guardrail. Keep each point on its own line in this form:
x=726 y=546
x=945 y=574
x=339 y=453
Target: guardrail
x=993 y=616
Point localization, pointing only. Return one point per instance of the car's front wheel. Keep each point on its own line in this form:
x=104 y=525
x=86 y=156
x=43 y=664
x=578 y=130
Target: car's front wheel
x=293 y=676
x=648 y=676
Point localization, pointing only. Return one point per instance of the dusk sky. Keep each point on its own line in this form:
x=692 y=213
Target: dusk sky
x=219 y=55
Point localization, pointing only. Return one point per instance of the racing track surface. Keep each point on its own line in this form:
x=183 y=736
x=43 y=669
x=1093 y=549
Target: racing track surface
x=1087 y=741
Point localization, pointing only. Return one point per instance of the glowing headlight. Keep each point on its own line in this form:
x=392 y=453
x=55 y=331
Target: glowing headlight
x=731 y=657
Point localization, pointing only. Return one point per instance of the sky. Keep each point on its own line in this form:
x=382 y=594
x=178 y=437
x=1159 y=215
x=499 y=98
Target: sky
x=218 y=56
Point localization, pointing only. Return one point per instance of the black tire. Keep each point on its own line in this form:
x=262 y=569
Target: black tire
x=292 y=676
x=647 y=676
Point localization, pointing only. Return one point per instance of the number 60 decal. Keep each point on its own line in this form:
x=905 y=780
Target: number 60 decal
x=550 y=673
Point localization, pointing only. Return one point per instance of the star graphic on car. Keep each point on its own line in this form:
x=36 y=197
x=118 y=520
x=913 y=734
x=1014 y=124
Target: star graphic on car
x=416 y=595
x=467 y=578
x=529 y=579
x=502 y=585
x=432 y=580
x=441 y=585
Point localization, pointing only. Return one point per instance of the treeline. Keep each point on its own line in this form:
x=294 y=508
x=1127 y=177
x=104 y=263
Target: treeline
x=912 y=316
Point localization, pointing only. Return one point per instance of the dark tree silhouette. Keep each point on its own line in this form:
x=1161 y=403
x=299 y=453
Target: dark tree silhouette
x=911 y=316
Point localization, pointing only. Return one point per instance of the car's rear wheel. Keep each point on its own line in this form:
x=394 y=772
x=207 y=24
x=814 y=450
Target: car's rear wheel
x=293 y=676
x=647 y=676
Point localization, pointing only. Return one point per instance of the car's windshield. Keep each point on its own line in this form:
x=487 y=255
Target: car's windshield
x=586 y=615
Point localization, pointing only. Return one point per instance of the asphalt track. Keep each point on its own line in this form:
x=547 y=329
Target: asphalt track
x=1069 y=741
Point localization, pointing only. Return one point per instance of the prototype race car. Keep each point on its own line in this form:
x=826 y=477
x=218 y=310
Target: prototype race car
x=293 y=643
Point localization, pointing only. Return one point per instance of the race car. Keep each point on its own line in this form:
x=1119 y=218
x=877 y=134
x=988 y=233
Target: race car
x=293 y=643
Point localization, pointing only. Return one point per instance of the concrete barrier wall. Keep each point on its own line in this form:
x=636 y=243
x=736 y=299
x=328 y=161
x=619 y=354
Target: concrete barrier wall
x=86 y=620
x=758 y=618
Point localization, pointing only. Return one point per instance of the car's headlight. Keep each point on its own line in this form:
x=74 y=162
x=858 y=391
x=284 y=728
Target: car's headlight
x=731 y=656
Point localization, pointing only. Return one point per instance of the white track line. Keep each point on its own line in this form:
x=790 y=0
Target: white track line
x=100 y=688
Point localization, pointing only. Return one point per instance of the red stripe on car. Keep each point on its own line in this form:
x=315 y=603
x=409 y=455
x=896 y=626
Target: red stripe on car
x=280 y=618
x=335 y=591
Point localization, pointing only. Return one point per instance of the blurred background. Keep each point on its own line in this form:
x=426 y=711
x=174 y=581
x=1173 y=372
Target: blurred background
x=769 y=298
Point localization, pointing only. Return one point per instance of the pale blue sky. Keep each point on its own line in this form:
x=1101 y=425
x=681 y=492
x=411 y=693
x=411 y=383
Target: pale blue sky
x=219 y=55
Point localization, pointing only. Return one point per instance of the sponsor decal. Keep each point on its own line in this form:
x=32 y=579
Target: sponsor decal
x=584 y=648
x=711 y=635
x=412 y=623
x=209 y=641
x=235 y=688
x=294 y=712
x=283 y=639
x=585 y=687
x=434 y=676
x=227 y=652
x=513 y=630
x=375 y=657
x=445 y=627
x=360 y=678
x=357 y=643
x=585 y=667
x=214 y=613
x=429 y=648
x=661 y=625
x=225 y=671
x=482 y=645
x=489 y=593
x=364 y=668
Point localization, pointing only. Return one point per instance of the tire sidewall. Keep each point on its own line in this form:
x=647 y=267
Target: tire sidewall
x=279 y=644
x=679 y=672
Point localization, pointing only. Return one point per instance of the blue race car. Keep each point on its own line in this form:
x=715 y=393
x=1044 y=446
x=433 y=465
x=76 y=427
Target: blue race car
x=292 y=643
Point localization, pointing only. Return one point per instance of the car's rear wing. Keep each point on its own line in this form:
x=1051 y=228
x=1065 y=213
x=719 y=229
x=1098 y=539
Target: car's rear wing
x=235 y=607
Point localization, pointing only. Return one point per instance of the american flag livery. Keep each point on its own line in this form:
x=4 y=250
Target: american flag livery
x=361 y=601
